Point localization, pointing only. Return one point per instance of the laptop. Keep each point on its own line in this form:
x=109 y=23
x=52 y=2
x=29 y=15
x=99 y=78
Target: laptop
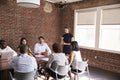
x=6 y=55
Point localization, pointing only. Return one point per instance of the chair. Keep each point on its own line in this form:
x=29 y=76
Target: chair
x=24 y=76
x=11 y=74
x=60 y=71
x=82 y=66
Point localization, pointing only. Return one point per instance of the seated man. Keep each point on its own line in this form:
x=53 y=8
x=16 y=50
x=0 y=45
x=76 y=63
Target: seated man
x=5 y=49
x=24 y=64
x=6 y=53
x=41 y=47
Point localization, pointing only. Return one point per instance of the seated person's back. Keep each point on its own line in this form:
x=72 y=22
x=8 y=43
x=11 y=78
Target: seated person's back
x=75 y=55
x=24 y=63
x=57 y=58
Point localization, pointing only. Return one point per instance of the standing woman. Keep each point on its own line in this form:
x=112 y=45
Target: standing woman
x=66 y=40
x=23 y=41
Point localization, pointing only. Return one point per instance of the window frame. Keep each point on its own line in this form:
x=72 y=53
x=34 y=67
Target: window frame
x=98 y=24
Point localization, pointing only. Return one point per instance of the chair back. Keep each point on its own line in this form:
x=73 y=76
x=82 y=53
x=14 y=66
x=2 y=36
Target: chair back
x=82 y=65
x=59 y=69
x=25 y=76
x=53 y=65
x=62 y=70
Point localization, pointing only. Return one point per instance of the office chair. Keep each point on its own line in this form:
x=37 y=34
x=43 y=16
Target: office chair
x=60 y=71
x=11 y=76
x=23 y=76
x=82 y=67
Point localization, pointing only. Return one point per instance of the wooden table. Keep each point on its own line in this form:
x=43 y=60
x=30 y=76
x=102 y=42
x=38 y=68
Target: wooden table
x=41 y=61
x=4 y=69
x=41 y=58
x=4 y=64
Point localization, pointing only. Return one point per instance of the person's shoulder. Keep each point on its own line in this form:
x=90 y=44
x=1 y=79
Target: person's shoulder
x=70 y=34
x=31 y=57
x=59 y=54
x=64 y=35
x=45 y=43
x=62 y=53
x=8 y=47
x=75 y=51
x=37 y=43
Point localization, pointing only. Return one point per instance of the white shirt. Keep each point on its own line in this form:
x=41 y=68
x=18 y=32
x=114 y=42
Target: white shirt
x=76 y=58
x=8 y=50
x=59 y=58
x=24 y=63
x=39 y=48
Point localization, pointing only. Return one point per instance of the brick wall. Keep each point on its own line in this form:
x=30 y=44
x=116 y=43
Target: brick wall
x=104 y=60
x=17 y=22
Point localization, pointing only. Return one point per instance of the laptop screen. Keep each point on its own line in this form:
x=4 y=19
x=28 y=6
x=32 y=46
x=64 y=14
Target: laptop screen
x=6 y=55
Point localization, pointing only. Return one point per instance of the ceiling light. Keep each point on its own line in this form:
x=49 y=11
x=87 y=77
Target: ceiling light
x=29 y=3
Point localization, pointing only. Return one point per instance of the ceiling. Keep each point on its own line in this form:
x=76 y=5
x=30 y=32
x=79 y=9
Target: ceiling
x=63 y=1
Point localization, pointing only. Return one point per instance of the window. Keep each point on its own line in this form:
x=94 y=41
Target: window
x=110 y=37
x=110 y=29
x=85 y=35
x=98 y=28
x=85 y=28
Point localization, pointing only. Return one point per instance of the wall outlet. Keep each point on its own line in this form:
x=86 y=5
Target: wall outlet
x=95 y=57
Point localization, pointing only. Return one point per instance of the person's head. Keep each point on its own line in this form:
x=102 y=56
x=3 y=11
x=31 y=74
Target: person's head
x=74 y=46
x=23 y=41
x=66 y=29
x=41 y=39
x=3 y=44
x=56 y=48
x=23 y=48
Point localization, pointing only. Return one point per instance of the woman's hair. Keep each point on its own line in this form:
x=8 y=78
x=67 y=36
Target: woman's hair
x=66 y=28
x=21 y=40
x=56 y=48
x=40 y=37
x=74 y=45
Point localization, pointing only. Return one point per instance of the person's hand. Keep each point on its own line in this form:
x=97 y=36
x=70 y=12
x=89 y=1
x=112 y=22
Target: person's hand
x=45 y=54
x=66 y=43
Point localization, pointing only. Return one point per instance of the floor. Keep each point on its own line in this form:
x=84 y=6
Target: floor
x=95 y=74
x=100 y=74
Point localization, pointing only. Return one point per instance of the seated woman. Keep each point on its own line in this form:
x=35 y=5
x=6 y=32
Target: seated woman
x=23 y=41
x=75 y=56
x=56 y=58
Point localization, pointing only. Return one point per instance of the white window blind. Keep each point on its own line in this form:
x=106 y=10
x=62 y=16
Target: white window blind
x=111 y=16
x=86 y=18
x=85 y=28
